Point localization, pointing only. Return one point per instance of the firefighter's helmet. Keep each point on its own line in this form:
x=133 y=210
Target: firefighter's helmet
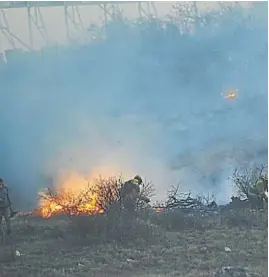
x=138 y=179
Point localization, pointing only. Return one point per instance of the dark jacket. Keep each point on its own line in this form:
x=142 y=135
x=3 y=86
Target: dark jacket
x=128 y=188
x=4 y=197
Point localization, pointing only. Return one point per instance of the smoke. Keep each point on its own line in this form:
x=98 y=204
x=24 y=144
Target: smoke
x=146 y=100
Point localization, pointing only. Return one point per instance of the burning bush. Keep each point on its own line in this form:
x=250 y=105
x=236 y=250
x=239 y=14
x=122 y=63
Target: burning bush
x=95 y=212
x=68 y=202
x=98 y=197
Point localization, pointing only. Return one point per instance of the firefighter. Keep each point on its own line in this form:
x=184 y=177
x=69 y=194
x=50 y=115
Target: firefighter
x=266 y=187
x=130 y=194
x=258 y=193
x=5 y=205
x=262 y=185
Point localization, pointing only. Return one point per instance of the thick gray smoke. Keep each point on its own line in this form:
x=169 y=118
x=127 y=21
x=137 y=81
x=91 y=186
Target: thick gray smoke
x=147 y=100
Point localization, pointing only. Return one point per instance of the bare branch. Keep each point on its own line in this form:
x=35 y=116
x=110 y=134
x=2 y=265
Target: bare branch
x=243 y=179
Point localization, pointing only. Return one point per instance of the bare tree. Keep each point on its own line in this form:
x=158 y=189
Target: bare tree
x=243 y=179
x=108 y=191
x=147 y=191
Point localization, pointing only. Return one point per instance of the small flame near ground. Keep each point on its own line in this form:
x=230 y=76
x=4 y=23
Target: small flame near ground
x=159 y=210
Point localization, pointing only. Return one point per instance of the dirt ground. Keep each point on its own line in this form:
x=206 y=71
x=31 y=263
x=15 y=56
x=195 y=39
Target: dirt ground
x=47 y=249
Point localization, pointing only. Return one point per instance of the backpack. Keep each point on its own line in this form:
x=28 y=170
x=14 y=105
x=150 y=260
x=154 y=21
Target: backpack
x=129 y=189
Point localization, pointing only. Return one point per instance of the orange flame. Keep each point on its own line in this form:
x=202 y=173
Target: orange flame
x=50 y=206
x=159 y=210
x=72 y=196
x=231 y=95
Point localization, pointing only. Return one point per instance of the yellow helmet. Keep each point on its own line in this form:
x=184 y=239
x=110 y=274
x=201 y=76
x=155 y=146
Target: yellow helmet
x=138 y=179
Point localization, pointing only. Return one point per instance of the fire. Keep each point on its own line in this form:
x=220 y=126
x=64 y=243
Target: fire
x=72 y=195
x=231 y=95
x=77 y=204
x=49 y=208
x=159 y=210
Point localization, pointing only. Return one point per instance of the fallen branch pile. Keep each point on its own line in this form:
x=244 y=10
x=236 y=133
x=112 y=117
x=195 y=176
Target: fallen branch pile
x=185 y=202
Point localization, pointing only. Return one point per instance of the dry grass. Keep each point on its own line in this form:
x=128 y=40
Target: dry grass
x=53 y=248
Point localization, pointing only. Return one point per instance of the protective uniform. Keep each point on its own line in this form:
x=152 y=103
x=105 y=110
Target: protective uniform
x=259 y=191
x=5 y=205
x=130 y=193
x=262 y=183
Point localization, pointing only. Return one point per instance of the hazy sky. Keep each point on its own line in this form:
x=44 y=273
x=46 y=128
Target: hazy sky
x=55 y=22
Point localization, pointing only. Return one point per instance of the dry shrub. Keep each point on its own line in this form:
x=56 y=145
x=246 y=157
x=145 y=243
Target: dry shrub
x=243 y=179
x=185 y=201
x=181 y=211
x=244 y=218
x=124 y=229
x=113 y=223
x=176 y=220
x=89 y=227
x=108 y=191
x=146 y=192
x=35 y=228
x=139 y=232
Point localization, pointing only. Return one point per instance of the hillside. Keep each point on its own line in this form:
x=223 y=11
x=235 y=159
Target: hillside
x=193 y=247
